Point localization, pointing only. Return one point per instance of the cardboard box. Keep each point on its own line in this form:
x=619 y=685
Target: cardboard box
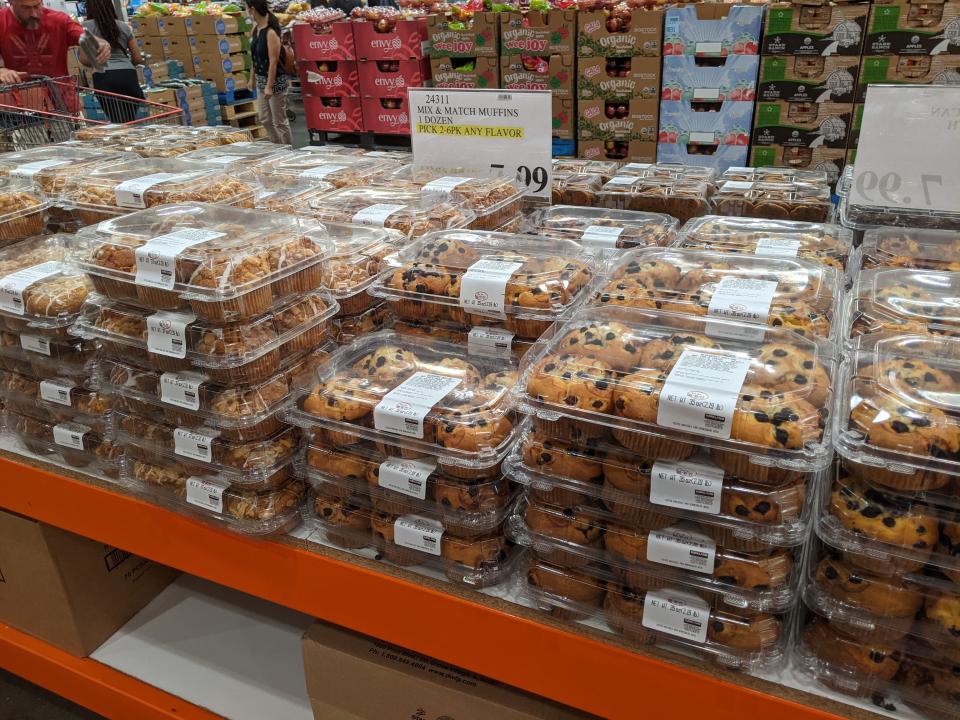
x=907 y=70
x=712 y=139
x=162 y=95
x=389 y=116
x=220 y=66
x=333 y=114
x=329 y=78
x=734 y=80
x=329 y=42
x=618 y=78
x=341 y=667
x=855 y=124
x=392 y=78
x=563 y=118
x=814 y=29
x=148 y=26
x=902 y=27
x=618 y=150
x=554 y=73
x=177 y=25
x=185 y=92
x=712 y=30
x=153 y=73
x=404 y=42
x=829 y=160
x=598 y=35
x=481 y=72
x=218 y=24
x=182 y=45
x=222 y=44
x=229 y=82
x=538 y=33
x=479 y=38
x=67 y=590
x=154 y=49
x=811 y=78
x=634 y=119
x=802 y=124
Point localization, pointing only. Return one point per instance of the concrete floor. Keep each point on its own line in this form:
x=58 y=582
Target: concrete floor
x=20 y=700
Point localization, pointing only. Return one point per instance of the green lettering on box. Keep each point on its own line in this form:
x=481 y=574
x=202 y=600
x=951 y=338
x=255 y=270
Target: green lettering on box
x=779 y=20
x=774 y=68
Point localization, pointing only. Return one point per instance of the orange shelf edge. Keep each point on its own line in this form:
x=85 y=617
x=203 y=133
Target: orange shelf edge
x=89 y=683
x=564 y=666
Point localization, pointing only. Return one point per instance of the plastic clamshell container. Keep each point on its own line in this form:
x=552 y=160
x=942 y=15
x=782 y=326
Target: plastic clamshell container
x=792 y=294
x=777 y=201
x=47 y=357
x=236 y=353
x=76 y=444
x=661 y=492
x=222 y=134
x=120 y=188
x=42 y=293
x=57 y=400
x=21 y=210
x=406 y=211
x=49 y=167
x=602 y=228
x=483 y=341
x=339 y=170
x=679 y=197
x=348 y=328
x=759 y=405
x=679 y=554
x=493 y=200
x=349 y=521
x=472 y=277
x=572 y=188
x=668 y=616
x=227 y=264
x=256 y=465
x=774 y=175
x=910 y=247
x=112 y=132
x=669 y=171
x=898 y=300
x=172 y=145
x=292 y=199
x=210 y=497
x=461 y=411
x=238 y=157
x=867 y=217
x=406 y=486
x=606 y=169
x=824 y=243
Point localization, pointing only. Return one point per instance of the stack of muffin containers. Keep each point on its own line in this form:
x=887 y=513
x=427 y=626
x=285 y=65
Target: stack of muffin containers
x=774 y=194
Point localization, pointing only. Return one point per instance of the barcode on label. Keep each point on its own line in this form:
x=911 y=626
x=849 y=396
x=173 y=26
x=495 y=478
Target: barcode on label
x=505 y=97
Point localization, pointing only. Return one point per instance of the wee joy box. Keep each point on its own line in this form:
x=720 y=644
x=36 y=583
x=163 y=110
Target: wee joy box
x=465 y=73
x=802 y=124
x=808 y=78
x=324 y=42
x=814 y=29
x=712 y=30
x=329 y=78
x=618 y=32
x=333 y=114
x=563 y=118
x=612 y=78
x=529 y=32
x=901 y=27
x=477 y=36
x=524 y=72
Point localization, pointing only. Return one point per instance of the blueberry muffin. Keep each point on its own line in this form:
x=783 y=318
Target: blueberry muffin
x=344 y=398
x=663 y=353
x=345 y=519
x=635 y=397
x=747 y=633
x=571 y=594
x=610 y=342
x=339 y=463
x=949 y=546
x=447 y=252
x=576 y=382
x=388 y=363
x=383 y=524
x=556 y=458
x=623 y=611
x=791 y=370
x=483 y=496
x=941 y=623
x=868 y=661
x=572 y=527
x=489 y=550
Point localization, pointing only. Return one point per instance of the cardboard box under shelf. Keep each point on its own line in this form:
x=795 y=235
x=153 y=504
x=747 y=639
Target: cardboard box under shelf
x=454 y=72
x=808 y=78
x=619 y=150
x=815 y=29
x=602 y=78
x=554 y=73
x=552 y=32
x=597 y=38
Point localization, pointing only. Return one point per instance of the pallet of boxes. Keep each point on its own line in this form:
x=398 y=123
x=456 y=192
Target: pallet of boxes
x=464 y=48
x=808 y=82
x=618 y=81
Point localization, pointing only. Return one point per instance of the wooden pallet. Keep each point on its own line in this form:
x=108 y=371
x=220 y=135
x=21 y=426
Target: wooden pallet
x=366 y=140
x=239 y=110
x=258 y=131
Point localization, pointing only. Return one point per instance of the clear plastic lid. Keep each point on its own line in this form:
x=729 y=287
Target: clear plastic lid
x=173 y=144
x=348 y=328
x=606 y=169
x=49 y=167
x=669 y=171
x=483 y=341
x=663 y=390
x=407 y=211
x=793 y=294
x=57 y=399
x=238 y=156
x=145 y=182
x=570 y=188
x=679 y=197
x=775 y=175
x=250 y=512
x=776 y=201
x=339 y=170
x=474 y=278
x=358 y=257
x=77 y=444
x=21 y=210
x=415 y=395
x=293 y=199
x=602 y=228
x=223 y=134
x=827 y=244
x=48 y=356
x=911 y=248
x=867 y=217
x=111 y=131
x=227 y=263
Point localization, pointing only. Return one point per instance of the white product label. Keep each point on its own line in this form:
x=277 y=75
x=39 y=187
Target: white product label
x=484 y=285
x=635 y=167
x=243 y=143
x=56 y=391
x=70 y=435
x=418 y=533
x=13 y=285
x=686 y=486
x=156 y=259
x=36 y=344
x=682 y=548
x=181 y=389
x=706 y=94
x=130 y=192
x=676 y=612
x=708 y=48
x=777 y=247
x=376 y=214
x=737 y=185
x=702 y=138
x=403 y=409
x=744 y=299
x=739 y=170
x=701 y=391
x=321 y=171
x=31 y=169
x=207 y=494
x=490 y=343
x=601 y=236
x=622 y=180
x=194 y=444
x=406 y=476
x=443 y=186
x=167 y=333
x=221 y=159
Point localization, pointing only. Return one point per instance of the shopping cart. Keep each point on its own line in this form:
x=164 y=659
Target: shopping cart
x=44 y=110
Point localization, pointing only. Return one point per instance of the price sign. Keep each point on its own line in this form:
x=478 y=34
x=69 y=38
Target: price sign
x=488 y=133
x=909 y=152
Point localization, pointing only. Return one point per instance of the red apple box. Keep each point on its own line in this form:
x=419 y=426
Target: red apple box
x=390 y=116
x=325 y=78
x=404 y=42
x=333 y=114
x=326 y=42
x=392 y=78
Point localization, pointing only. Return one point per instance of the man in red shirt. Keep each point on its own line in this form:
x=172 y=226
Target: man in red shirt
x=34 y=40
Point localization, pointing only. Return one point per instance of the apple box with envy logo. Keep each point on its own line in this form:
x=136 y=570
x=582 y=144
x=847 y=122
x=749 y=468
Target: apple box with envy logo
x=405 y=42
x=328 y=42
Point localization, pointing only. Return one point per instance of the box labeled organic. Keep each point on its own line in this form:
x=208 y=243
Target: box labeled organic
x=734 y=79
x=618 y=78
x=913 y=28
x=619 y=32
x=389 y=116
x=618 y=150
x=327 y=42
x=815 y=29
x=808 y=78
x=825 y=159
x=633 y=119
x=333 y=114
x=529 y=32
x=527 y=72
x=479 y=72
x=403 y=41
x=563 y=118
x=392 y=78
x=712 y=30
x=712 y=139
x=802 y=124
x=325 y=78
x=907 y=70
x=477 y=36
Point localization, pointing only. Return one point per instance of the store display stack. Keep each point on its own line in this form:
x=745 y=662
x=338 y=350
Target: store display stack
x=218 y=46
x=329 y=84
x=464 y=48
x=618 y=81
x=710 y=68
x=808 y=83
x=150 y=35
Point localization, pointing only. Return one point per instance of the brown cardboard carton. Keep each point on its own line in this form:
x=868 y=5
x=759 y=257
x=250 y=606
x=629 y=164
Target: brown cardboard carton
x=802 y=124
x=67 y=590
x=221 y=44
x=563 y=119
x=619 y=150
x=635 y=119
x=538 y=33
x=162 y=95
x=152 y=26
x=907 y=70
x=355 y=677
x=477 y=37
x=554 y=73
x=479 y=72
x=814 y=29
x=908 y=27
x=604 y=78
x=829 y=160
x=601 y=34
x=177 y=25
x=808 y=78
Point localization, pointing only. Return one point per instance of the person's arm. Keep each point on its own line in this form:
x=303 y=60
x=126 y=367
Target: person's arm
x=250 y=75
x=273 y=52
x=135 y=56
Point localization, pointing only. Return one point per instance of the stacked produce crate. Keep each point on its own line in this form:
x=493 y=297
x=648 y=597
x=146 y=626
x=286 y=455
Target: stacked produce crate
x=329 y=84
x=464 y=49
x=150 y=34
